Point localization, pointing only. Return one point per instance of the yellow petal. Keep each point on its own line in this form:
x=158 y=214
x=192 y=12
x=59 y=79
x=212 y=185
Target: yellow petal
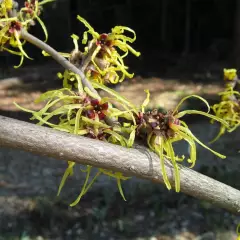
x=171 y=154
x=181 y=114
x=43 y=26
x=68 y=171
x=83 y=190
x=195 y=96
x=120 y=186
x=146 y=101
x=187 y=131
x=158 y=148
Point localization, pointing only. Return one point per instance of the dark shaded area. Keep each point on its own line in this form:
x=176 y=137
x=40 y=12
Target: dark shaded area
x=174 y=37
x=19 y=115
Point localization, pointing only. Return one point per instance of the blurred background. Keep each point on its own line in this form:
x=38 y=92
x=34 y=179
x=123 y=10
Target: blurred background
x=184 y=47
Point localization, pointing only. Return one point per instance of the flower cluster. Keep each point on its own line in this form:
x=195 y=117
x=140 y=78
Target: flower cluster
x=13 y=21
x=165 y=128
x=101 y=60
x=229 y=106
x=78 y=113
x=106 y=63
x=77 y=110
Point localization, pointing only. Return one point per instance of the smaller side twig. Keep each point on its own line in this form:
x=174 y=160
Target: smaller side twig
x=57 y=57
x=63 y=62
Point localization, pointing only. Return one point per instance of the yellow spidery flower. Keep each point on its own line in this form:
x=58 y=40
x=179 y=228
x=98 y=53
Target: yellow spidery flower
x=106 y=61
x=5 y=6
x=163 y=129
x=81 y=114
x=229 y=74
x=31 y=11
x=228 y=108
x=101 y=61
x=11 y=26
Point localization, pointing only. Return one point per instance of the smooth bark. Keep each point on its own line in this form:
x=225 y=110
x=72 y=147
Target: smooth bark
x=138 y=162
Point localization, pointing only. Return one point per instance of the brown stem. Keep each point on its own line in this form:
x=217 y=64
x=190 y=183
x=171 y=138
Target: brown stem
x=87 y=59
x=57 y=57
x=138 y=162
x=64 y=62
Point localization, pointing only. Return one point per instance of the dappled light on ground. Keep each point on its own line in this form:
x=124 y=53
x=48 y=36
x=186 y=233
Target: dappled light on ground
x=14 y=90
x=24 y=85
x=165 y=93
x=28 y=184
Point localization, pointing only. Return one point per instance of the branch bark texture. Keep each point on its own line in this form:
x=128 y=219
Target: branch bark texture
x=138 y=162
x=57 y=57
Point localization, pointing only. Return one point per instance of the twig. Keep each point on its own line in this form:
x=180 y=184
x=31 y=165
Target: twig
x=88 y=58
x=65 y=63
x=57 y=57
x=132 y=162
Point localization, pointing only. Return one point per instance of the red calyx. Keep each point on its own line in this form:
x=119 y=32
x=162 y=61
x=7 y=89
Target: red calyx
x=109 y=43
x=139 y=118
x=91 y=114
x=15 y=26
x=30 y=11
x=103 y=36
x=104 y=106
x=101 y=136
x=102 y=39
x=101 y=115
x=26 y=4
x=94 y=102
x=175 y=121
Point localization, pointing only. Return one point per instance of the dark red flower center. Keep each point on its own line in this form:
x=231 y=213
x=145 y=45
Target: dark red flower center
x=30 y=6
x=15 y=26
x=91 y=114
x=97 y=109
x=94 y=102
x=103 y=41
x=100 y=136
x=139 y=118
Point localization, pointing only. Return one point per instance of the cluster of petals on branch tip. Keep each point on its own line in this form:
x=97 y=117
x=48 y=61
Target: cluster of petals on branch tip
x=229 y=106
x=162 y=129
x=77 y=110
x=101 y=60
x=14 y=19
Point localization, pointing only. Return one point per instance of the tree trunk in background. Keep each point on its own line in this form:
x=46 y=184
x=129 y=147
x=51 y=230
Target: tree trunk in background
x=236 y=50
x=187 y=27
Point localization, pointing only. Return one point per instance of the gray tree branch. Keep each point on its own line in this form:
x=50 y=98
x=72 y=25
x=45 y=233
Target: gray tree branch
x=58 y=58
x=138 y=162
